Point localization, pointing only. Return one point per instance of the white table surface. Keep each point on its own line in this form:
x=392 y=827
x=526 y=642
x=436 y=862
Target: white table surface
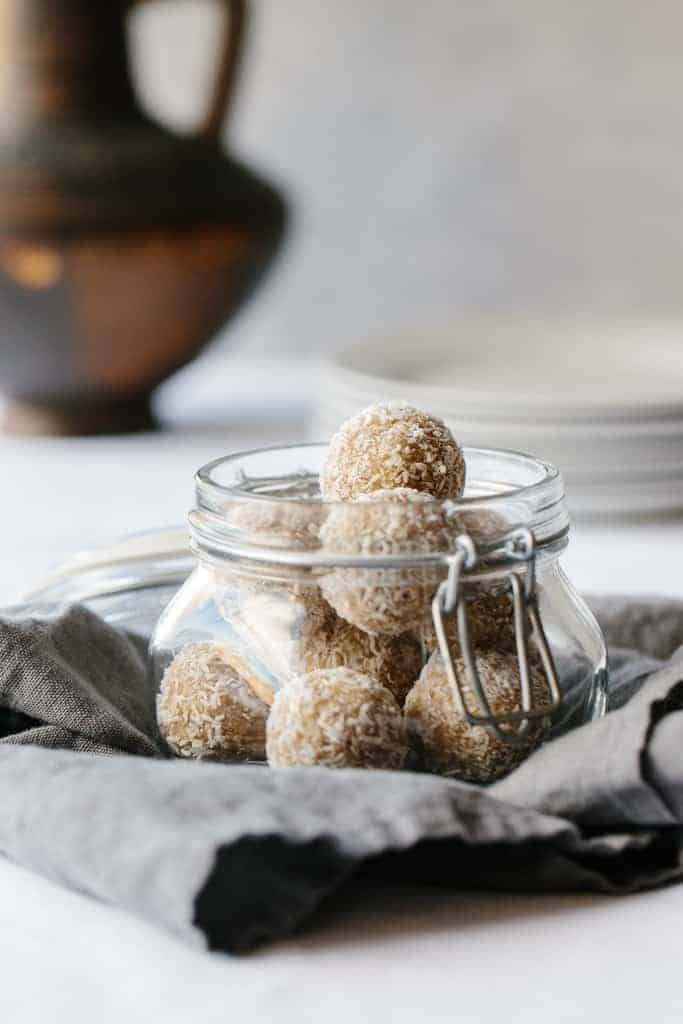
x=395 y=954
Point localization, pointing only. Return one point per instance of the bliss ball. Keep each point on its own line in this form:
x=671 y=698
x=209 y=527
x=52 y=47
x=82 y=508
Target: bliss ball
x=292 y=630
x=447 y=743
x=337 y=718
x=211 y=705
x=278 y=621
x=399 y=521
x=490 y=617
x=278 y=523
x=393 y=662
x=393 y=445
x=482 y=524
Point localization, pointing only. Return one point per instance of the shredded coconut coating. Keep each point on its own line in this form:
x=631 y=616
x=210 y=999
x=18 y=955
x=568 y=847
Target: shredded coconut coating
x=208 y=707
x=398 y=521
x=292 y=630
x=279 y=621
x=337 y=718
x=279 y=523
x=393 y=662
x=482 y=524
x=393 y=445
x=490 y=617
x=447 y=743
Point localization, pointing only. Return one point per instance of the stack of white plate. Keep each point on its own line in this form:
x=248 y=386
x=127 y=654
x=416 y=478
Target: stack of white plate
x=602 y=400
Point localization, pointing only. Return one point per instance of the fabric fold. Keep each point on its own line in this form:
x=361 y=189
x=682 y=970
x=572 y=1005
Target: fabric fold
x=80 y=680
x=598 y=776
x=231 y=856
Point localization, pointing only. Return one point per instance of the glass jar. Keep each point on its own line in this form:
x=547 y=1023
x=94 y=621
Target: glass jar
x=468 y=596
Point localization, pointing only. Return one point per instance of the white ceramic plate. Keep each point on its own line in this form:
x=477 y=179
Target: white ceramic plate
x=603 y=401
x=529 y=369
x=589 y=449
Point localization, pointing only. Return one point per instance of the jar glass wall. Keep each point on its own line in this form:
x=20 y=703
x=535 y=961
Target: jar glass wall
x=286 y=585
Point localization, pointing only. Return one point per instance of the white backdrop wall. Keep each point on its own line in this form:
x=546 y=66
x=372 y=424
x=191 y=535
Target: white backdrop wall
x=443 y=154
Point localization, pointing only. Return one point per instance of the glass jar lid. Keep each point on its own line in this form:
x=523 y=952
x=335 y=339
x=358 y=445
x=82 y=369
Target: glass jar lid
x=140 y=561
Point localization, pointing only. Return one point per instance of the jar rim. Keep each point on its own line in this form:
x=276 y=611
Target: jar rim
x=204 y=478
x=520 y=489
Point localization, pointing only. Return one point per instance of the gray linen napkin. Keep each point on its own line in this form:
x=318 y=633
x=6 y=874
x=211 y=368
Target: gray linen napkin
x=231 y=856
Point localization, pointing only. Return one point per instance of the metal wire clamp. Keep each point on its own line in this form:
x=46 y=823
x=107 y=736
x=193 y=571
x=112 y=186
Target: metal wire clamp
x=520 y=546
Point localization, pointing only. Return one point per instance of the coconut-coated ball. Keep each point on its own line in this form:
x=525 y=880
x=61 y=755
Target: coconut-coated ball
x=337 y=718
x=447 y=743
x=392 y=445
x=279 y=620
x=292 y=630
x=278 y=523
x=482 y=524
x=211 y=705
x=392 y=661
x=398 y=521
x=490 y=617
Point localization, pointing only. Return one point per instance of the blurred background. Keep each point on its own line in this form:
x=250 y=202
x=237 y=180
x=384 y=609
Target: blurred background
x=438 y=161
x=442 y=156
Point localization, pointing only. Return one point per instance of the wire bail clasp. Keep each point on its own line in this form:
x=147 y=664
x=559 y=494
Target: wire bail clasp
x=510 y=728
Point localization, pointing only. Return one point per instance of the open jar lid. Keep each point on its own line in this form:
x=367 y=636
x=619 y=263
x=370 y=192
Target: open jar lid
x=128 y=583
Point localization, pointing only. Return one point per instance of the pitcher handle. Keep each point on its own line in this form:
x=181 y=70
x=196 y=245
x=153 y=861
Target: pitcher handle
x=232 y=46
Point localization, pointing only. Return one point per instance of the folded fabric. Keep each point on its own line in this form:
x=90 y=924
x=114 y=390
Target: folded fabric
x=229 y=856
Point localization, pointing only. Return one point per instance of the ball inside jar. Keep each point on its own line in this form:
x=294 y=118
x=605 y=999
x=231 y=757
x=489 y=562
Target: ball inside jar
x=490 y=621
x=337 y=718
x=279 y=620
x=278 y=522
x=210 y=705
x=392 y=661
x=447 y=743
x=293 y=630
x=390 y=523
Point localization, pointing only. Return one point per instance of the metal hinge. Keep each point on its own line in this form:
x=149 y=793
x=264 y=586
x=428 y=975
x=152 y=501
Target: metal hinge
x=450 y=601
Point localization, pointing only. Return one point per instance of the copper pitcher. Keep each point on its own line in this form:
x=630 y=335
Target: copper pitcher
x=123 y=247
